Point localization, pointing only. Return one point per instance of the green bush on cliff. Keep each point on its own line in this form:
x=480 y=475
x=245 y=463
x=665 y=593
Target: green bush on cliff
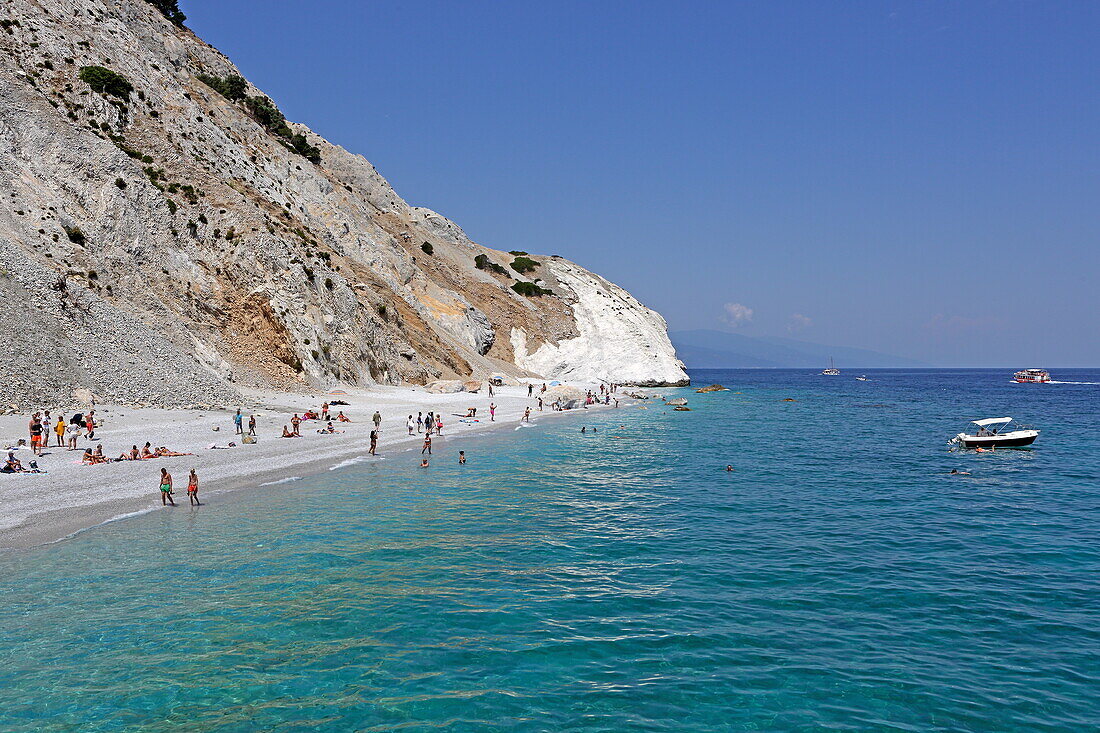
x=530 y=290
x=105 y=81
x=231 y=87
x=482 y=262
x=170 y=9
x=524 y=264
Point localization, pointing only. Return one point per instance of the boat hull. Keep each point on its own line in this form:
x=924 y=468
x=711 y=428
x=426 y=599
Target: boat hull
x=1021 y=439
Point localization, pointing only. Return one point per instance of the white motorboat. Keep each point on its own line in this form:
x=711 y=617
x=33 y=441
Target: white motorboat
x=862 y=378
x=997 y=432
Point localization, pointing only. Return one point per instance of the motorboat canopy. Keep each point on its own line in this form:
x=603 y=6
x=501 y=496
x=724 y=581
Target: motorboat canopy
x=992 y=421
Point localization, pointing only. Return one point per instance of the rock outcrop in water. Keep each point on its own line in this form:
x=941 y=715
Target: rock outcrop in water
x=166 y=236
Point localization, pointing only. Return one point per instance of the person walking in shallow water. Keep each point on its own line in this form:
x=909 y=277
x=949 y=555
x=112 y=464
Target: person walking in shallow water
x=373 y=442
x=193 y=488
x=427 y=444
x=166 y=488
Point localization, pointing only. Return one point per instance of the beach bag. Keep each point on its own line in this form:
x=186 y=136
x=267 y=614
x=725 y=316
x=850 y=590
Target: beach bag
x=248 y=439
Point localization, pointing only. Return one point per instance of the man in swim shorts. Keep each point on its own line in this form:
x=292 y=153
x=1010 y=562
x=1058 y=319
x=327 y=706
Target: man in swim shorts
x=166 y=488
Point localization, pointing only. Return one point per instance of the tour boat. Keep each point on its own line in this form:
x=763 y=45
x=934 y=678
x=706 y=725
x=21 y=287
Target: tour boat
x=997 y=432
x=1032 y=376
x=832 y=371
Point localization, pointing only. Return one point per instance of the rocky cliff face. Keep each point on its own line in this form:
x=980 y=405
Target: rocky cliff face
x=166 y=236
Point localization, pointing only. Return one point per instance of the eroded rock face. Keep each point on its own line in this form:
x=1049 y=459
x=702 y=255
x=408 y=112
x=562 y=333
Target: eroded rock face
x=196 y=251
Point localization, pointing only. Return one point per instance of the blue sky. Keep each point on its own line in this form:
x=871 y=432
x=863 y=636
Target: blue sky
x=919 y=178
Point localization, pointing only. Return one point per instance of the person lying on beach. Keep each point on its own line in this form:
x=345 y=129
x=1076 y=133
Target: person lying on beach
x=163 y=452
x=329 y=430
x=471 y=412
x=342 y=417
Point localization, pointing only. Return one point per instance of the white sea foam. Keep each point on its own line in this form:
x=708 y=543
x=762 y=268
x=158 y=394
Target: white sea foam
x=286 y=480
x=348 y=462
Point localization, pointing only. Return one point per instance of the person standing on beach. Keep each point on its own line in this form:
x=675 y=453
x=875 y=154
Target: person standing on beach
x=73 y=432
x=238 y=423
x=377 y=420
x=427 y=444
x=544 y=386
x=193 y=488
x=324 y=412
x=492 y=412
x=439 y=426
x=60 y=430
x=526 y=415
x=296 y=422
x=373 y=441
x=410 y=424
x=490 y=388
x=251 y=424
x=530 y=390
x=89 y=424
x=540 y=404
x=419 y=422
x=429 y=423
x=35 y=428
x=166 y=488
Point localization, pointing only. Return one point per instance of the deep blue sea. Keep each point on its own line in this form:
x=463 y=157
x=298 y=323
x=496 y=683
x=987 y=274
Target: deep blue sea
x=838 y=579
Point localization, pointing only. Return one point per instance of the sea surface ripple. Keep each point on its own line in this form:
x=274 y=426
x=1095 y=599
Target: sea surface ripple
x=838 y=579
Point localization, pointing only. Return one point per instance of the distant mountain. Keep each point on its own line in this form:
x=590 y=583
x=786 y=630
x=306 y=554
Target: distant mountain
x=705 y=349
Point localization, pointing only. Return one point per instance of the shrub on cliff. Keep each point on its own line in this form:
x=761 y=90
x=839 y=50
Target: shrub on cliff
x=105 y=81
x=530 y=290
x=170 y=9
x=482 y=262
x=524 y=264
x=232 y=87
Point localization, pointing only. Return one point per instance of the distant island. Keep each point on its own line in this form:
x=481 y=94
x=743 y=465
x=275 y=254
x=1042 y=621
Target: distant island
x=708 y=349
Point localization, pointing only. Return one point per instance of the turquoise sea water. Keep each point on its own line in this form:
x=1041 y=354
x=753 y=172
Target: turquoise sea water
x=838 y=579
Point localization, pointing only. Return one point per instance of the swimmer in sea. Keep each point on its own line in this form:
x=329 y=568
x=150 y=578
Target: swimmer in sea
x=729 y=468
x=424 y=463
x=462 y=457
x=957 y=472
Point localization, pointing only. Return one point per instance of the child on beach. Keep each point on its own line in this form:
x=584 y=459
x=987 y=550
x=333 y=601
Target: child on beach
x=166 y=488
x=193 y=488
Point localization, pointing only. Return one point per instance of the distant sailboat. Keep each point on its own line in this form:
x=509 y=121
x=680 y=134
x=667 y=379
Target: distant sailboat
x=832 y=371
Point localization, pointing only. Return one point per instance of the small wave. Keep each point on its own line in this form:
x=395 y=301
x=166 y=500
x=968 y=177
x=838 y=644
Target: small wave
x=286 y=480
x=348 y=462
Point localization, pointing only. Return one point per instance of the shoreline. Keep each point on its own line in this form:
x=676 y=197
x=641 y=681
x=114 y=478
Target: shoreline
x=42 y=509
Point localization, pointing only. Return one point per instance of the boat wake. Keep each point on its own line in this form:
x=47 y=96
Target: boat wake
x=1053 y=381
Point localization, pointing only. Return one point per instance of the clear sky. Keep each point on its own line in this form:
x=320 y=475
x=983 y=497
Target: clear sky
x=919 y=178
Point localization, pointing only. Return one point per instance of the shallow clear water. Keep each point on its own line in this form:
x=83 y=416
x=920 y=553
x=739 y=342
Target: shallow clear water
x=839 y=578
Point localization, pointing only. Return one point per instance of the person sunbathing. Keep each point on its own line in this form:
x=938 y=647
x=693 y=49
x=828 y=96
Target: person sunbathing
x=342 y=417
x=147 y=452
x=329 y=430
x=163 y=452
x=287 y=433
x=471 y=412
x=309 y=415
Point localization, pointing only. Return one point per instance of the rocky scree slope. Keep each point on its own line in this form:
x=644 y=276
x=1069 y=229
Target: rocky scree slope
x=165 y=235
